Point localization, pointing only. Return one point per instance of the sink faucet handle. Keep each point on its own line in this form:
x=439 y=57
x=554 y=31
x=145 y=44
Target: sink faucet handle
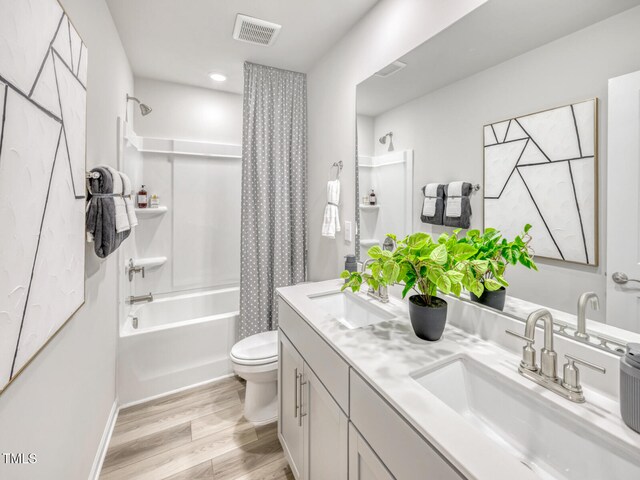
x=571 y=374
x=529 y=340
x=528 y=352
x=571 y=359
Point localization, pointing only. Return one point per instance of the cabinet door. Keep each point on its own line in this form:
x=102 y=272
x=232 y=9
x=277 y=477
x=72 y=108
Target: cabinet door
x=290 y=427
x=364 y=464
x=326 y=432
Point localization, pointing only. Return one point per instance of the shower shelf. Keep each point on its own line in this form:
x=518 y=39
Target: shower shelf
x=149 y=262
x=151 y=212
x=369 y=207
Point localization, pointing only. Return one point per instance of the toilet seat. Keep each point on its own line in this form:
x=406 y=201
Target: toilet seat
x=256 y=350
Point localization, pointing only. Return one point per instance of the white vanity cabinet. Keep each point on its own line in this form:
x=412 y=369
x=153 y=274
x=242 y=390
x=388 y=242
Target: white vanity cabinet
x=312 y=428
x=333 y=425
x=364 y=464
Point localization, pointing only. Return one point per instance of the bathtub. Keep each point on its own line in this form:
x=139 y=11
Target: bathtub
x=180 y=340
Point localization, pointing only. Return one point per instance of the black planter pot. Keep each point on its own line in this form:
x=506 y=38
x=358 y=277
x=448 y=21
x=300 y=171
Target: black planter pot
x=428 y=322
x=491 y=299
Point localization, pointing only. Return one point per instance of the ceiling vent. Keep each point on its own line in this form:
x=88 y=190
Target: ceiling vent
x=391 y=69
x=256 y=31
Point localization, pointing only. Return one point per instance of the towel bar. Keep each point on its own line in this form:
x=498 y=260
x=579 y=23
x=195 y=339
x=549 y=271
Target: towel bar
x=93 y=174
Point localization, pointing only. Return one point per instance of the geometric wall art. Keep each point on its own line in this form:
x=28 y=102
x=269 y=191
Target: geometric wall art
x=542 y=169
x=43 y=78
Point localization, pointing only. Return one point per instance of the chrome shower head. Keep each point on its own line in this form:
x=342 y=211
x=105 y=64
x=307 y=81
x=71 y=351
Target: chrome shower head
x=383 y=140
x=144 y=108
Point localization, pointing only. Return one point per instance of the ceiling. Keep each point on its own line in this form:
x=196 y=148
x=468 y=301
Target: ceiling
x=184 y=41
x=491 y=34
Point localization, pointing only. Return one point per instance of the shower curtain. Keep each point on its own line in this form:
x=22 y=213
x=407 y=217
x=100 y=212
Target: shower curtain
x=274 y=163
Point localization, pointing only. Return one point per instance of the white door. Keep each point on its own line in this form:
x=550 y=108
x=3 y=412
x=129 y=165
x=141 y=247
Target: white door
x=364 y=464
x=326 y=432
x=623 y=202
x=290 y=430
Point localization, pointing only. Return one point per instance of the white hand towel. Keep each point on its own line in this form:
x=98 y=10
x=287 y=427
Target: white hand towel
x=122 y=220
x=128 y=201
x=454 y=200
x=430 y=199
x=331 y=221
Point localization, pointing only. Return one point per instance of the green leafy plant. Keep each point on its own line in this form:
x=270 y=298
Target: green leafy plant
x=494 y=253
x=420 y=264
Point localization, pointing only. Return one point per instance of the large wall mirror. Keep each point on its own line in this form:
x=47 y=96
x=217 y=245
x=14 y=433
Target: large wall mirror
x=529 y=112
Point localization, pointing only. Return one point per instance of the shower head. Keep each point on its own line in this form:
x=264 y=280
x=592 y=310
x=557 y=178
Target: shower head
x=383 y=140
x=144 y=108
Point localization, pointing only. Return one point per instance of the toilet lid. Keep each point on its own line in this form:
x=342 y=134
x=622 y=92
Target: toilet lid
x=262 y=346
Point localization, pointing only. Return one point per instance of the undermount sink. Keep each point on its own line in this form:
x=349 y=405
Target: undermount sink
x=544 y=439
x=353 y=311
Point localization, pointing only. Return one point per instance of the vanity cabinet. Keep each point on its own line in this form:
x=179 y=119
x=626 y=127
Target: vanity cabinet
x=364 y=464
x=312 y=428
x=333 y=425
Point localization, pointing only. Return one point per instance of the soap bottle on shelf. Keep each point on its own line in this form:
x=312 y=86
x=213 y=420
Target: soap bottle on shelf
x=372 y=198
x=142 y=198
x=155 y=201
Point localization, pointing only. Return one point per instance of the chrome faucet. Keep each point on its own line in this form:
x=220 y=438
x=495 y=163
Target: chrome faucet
x=383 y=292
x=581 y=331
x=132 y=300
x=133 y=269
x=546 y=375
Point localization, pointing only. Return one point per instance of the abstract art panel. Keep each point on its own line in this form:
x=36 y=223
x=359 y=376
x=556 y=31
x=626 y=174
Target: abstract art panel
x=43 y=73
x=542 y=169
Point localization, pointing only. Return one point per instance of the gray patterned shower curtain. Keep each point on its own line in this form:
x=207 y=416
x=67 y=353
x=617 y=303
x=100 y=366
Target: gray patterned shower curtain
x=274 y=171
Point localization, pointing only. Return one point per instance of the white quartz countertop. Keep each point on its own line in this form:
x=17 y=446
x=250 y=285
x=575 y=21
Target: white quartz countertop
x=388 y=353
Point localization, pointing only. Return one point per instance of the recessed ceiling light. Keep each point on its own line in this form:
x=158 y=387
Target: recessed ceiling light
x=217 y=77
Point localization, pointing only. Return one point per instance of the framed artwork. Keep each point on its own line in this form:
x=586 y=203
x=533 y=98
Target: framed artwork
x=542 y=169
x=43 y=79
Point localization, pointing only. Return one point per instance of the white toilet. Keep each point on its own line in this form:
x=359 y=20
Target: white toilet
x=255 y=359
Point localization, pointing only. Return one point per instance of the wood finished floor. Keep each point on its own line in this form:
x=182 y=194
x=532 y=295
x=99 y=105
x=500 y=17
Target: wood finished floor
x=198 y=434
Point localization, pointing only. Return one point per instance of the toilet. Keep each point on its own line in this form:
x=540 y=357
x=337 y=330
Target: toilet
x=255 y=359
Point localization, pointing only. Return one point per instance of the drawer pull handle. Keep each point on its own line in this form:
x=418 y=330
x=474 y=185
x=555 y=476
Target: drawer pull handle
x=295 y=394
x=300 y=396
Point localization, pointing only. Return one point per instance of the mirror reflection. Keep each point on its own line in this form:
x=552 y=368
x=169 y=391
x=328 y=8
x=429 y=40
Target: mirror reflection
x=537 y=138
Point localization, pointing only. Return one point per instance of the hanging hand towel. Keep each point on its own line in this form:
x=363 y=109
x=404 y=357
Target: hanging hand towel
x=331 y=222
x=433 y=205
x=122 y=220
x=128 y=202
x=101 y=214
x=430 y=198
x=454 y=199
x=458 y=205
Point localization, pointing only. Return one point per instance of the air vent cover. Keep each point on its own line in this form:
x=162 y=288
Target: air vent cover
x=391 y=69
x=256 y=31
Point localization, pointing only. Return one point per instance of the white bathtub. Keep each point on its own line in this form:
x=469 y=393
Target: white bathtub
x=180 y=340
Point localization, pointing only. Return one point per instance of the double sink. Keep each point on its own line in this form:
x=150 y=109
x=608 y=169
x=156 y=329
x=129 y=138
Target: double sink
x=552 y=442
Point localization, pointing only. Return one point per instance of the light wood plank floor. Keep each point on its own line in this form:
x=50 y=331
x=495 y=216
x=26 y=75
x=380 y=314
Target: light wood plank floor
x=198 y=434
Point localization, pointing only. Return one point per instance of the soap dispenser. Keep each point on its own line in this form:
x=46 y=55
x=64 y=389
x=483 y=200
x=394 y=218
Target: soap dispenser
x=630 y=386
x=372 y=198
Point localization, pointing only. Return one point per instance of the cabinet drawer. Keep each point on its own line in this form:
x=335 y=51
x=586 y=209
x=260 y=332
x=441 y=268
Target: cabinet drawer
x=405 y=453
x=329 y=367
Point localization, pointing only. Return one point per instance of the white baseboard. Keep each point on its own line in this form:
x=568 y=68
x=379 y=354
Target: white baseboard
x=177 y=390
x=104 y=442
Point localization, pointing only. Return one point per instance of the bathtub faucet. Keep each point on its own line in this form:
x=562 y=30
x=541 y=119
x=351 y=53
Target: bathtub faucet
x=140 y=299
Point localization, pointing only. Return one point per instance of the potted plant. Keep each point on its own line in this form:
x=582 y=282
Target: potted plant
x=425 y=266
x=488 y=287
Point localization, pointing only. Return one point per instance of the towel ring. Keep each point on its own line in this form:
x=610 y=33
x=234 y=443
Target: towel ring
x=338 y=166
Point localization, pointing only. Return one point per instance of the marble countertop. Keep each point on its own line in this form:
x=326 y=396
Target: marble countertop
x=388 y=353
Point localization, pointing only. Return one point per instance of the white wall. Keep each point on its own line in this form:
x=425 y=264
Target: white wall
x=388 y=31
x=188 y=113
x=445 y=127
x=58 y=407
